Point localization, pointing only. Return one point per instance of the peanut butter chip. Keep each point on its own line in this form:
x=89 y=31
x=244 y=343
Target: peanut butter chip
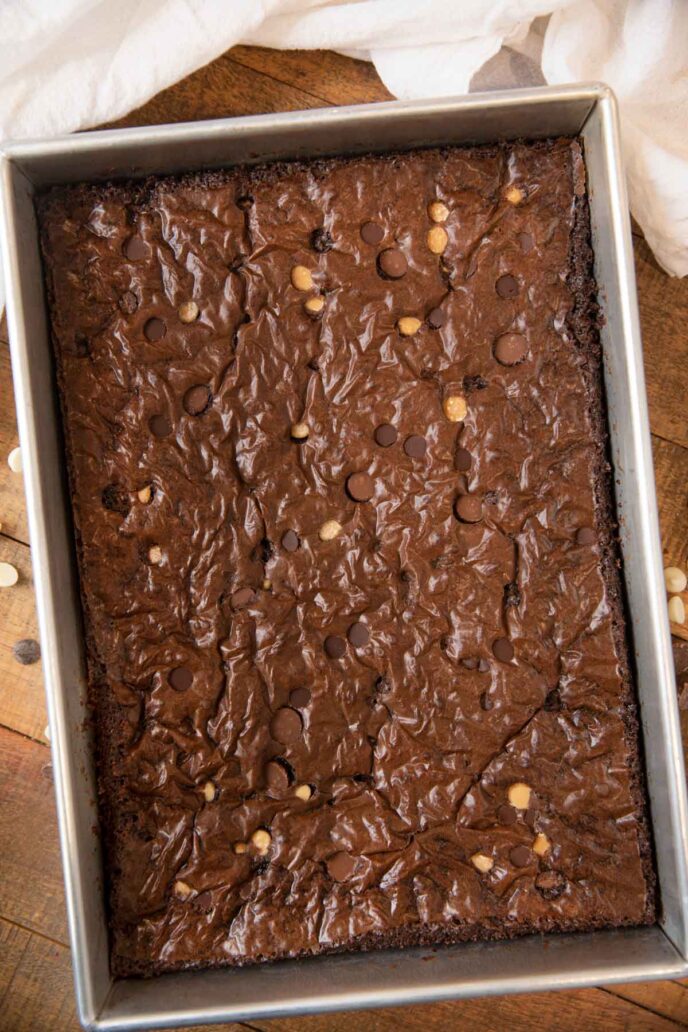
x=437 y=239
x=299 y=431
x=155 y=555
x=145 y=494
x=14 y=460
x=240 y=847
x=261 y=839
x=438 y=212
x=514 y=194
x=482 y=863
x=518 y=795
x=188 y=311
x=408 y=325
x=314 y=305
x=677 y=610
x=182 y=889
x=330 y=530
x=541 y=844
x=303 y=792
x=8 y=575
x=209 y=791
x=301 y=278
x=455 y=408
x=675 y=579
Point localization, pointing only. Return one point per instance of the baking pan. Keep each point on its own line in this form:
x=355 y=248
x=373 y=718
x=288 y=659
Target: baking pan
x=387 y=977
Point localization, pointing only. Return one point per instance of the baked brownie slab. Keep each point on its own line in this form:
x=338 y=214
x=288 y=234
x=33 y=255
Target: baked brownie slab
x=356 y=643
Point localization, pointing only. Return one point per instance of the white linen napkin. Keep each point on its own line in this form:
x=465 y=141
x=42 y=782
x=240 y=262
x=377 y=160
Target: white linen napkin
x=70 y=64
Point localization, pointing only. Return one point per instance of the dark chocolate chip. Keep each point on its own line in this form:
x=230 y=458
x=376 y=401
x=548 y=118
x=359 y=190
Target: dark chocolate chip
x=462 y=459
x=276 y=778
x=415 y=446
x=286 y=725
x=585 y=536
x=290 y=541
x=360 y=486
x=436 y=318
x=128 y=302
x=321 y=241
x=483 y=666
x=116 y=499
x=160 y=426
x=341 y=866
x=526 y=242
x=334 y=646
x=503 y=650
x=197 y=399
x=242 y=597
x=180 y=678
x=486 y=702
x=520 y=856
x=506 y=814
x=26 y=651
x=134 y=248
x=47 y=771
x=507 y=287
x=553 y=703
x=550 y=884
x=469 y=508
x=245 y=202
x=154 y=329
x=385 y=435
x=392 y=264
x=358 y=634
x=371 y=233
x=510 y=349
x=299 y=697
x=512 y=596
x=474 y=383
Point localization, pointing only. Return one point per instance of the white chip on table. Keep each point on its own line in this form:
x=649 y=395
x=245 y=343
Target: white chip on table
x=8 y=575
x=14 y=460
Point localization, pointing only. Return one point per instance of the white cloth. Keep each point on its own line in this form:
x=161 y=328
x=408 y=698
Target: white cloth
x=70 y=64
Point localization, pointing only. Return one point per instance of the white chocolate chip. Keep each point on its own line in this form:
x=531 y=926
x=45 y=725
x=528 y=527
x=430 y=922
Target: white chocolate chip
x=675 y=580
x=209 y=791
x=314 y=305
x=182 y=890
x=267 y=583
x=14 y=460
x=518 y=795
x=240 y=847
x=330 y=530
x=46 y=731
x=541 y=844
x=408 y=325
x=455 y=408
x=145 y=494
x=437 y=239
x=301 y=278
x=261 y=839
x=155 y=554
x=300 y=431
x=8 y=575
x=438 y=212
x=482 y=863
x=303 y=792
x=188 y=311
x=677 y=610
x=514 y=194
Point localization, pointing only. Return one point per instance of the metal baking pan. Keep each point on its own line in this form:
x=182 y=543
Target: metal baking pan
x=387 y=977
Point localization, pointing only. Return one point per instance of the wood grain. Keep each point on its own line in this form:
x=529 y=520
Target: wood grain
x=669 y=999
x=36 y=988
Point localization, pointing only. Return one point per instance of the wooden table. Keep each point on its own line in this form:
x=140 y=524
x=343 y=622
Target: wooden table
x=35 y=976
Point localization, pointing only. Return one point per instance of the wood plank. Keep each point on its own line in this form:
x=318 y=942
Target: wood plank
x=22 y=698
x=31 y=890
x=669 y=999
x=332 y=77
x=36 y=989
x=664 y=321
x=12 y=501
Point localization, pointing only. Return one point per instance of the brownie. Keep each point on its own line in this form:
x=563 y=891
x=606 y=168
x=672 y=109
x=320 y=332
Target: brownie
x=354 y=622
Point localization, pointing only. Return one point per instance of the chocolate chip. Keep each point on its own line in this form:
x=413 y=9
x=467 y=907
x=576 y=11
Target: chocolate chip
x=154 y=329
x=526 y=242
x=462 y=459
x=242 y=597
x=299 y=697
x=371 y=233
x=470 y=663
x=585 y=536
x=360 y=486
x=415 y=446
x=180 y=678
x=486 y=702
x=358 y=634
x=26 y=651
x=286 y=725
x=392 y=264
x=116 y=499
x=436 y=318
x=245 y=202
x=197 y=399
x=483 y=666
x=134 y=248
x=334 y=646
x=506 y=814
x=507 y=287
x=512 y=596
x=553 y=703
x=469 y=508
x=474 y=383
x=290 y=541
x=341 y=866
x=550 y=884
x=276 y=778
x=385 y=435
x=503 y=650
x=321 y=241
x=510 y=349
x=159 y=426
x=520 y=856
x=128 y=302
